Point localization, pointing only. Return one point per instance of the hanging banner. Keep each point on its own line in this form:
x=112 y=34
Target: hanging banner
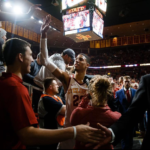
x=97 y=44
x=3 y=25
x=136 y=39
x=142 y=38
x=15 y=29
x=103 y=43
x=119 y=41
x=92 y=44
x=9 y=27
x=39 y=37
x=124 y=40
x=35 y=37
x=108 y=43
x=147 y=38
x=130 y=40
x=30 y=35
x=26 y=34
x=20 y=31
x=114 y=42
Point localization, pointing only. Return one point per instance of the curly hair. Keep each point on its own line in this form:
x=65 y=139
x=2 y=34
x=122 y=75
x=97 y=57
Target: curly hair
x=100 y=88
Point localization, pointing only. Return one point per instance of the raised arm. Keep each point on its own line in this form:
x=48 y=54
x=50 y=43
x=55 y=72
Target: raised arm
x=4 y=16
x=58 y=73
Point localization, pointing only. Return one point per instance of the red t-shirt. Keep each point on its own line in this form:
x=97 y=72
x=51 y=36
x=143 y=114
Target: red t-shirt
x=93 y=115
x=16 y=111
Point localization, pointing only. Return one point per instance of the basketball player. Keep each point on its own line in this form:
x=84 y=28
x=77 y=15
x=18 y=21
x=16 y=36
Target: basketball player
x=74 y=87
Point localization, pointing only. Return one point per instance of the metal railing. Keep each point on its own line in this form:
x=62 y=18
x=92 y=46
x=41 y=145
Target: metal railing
x=31 y=88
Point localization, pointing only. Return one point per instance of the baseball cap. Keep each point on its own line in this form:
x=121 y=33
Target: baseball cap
x=70 y=52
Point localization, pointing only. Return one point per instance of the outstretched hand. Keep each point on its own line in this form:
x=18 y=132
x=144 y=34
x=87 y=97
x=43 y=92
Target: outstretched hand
x=87 y=134
x=45 y=25
x=105 y=140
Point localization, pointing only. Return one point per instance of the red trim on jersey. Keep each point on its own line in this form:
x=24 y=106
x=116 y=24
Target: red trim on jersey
x=68 y=85
x=78 y=82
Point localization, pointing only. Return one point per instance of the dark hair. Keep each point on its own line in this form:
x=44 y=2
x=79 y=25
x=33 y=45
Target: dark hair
x=88 y=60
x=13 y=47
x=48 y=82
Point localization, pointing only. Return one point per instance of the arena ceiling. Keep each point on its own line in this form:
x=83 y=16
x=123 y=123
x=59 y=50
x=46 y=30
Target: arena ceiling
x=118 y=12
x=123 y=18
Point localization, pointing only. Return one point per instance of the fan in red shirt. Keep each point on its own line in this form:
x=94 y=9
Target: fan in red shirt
x=99 y=112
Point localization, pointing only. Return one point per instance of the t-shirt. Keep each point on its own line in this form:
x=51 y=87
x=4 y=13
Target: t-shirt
x=16 y=111
x=94 y=115
x=48 y=109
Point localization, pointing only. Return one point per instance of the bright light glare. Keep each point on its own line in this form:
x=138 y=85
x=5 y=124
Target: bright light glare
x=40 y=22
x=32 y=17
x=8 y=5
x=17 y=10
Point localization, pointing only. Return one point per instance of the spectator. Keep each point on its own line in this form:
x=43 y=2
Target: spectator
x=35 y=68
x=124 y=99
x=100 y=90
x=51 y=109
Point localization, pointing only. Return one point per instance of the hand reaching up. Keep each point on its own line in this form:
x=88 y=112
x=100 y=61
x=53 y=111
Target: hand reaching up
x=45 y=25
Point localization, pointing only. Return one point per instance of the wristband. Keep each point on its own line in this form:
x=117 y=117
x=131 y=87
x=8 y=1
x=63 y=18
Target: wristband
x=75 y=132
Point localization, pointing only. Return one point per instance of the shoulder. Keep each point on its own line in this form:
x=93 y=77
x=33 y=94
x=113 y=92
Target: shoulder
x=114 y=115
x=146 y=77
x=133 y=89
x=47 y=98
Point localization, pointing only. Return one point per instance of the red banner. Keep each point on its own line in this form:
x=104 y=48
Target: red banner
x=136 y=39
x=147 y=38
x=130 y=40
x=124 y=41
x=119 y=41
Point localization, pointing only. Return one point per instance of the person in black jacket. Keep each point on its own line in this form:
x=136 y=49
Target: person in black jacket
x=35 y=68
x=140 y=103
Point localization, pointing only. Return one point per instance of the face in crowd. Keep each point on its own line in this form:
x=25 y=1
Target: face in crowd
x=54 y=87
x=127 y=82
x=67 y=59
x=81 y=63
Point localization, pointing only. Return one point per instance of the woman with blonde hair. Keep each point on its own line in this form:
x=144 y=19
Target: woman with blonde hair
x=98 y=111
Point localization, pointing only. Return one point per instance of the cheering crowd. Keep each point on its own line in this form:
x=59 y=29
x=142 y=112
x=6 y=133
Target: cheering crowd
x=108 y=110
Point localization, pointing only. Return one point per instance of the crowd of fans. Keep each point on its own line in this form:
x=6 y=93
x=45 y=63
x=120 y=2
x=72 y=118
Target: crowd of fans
x=109 y=93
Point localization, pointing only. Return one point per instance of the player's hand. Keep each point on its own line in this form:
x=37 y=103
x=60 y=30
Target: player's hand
x=103 y=141
x=87 y=134
x=45 y=25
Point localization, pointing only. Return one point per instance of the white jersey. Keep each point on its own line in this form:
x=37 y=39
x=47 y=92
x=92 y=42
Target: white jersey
x=73 y=97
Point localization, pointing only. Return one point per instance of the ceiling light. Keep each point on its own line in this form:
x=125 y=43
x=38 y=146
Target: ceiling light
x=17 y=10
x=40 y=22
x=8 y=5
x=32 y=17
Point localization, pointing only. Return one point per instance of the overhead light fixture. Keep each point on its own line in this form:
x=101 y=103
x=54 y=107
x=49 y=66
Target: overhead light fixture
x=40 y=22
x=17 y=10
x=8 y=5
x=32 y=17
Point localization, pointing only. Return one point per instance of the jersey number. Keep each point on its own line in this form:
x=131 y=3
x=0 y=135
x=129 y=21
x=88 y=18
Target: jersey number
x=76 y=100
